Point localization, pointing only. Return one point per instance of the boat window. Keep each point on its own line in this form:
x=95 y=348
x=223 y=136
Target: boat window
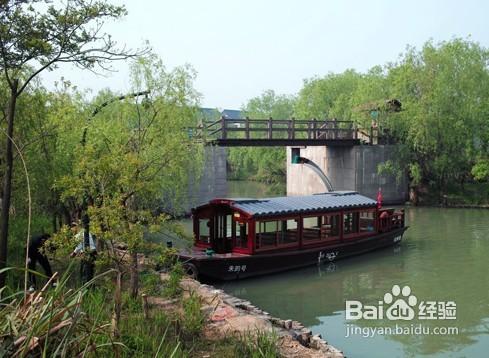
x=241 y=235
x=330 y=227
x=367 y=221
x=350 y=223
x=266 y=234
x=288 y=232
x=276 y=233
x=224 y=226
x=204 y=231
x=311 y=228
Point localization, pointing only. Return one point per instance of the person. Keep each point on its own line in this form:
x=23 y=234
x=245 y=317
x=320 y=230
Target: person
x=87 y=266
x=36 y=255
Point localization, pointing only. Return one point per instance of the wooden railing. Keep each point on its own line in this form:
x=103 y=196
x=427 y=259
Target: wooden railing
x=390 y=219
x=286 y=132
x=247 y=128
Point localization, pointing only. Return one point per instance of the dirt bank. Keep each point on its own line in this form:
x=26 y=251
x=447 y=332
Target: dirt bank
x=227 y=315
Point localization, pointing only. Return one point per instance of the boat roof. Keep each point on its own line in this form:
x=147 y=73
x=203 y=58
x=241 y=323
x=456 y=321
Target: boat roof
x=329 y=201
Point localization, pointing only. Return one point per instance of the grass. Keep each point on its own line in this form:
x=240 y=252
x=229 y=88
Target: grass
x=151 y=283
x=74 y=320
x=193 y=318
x=139 y=336
x=262 y=345
x=49 y=320
x=68 y=322
x=172 y=287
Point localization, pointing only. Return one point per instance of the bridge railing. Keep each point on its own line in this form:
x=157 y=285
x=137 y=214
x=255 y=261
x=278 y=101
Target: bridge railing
x=270 y=128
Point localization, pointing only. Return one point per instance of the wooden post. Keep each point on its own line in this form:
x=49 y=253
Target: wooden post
x=247 y=127
x=325 y=129
x=293 y=128
x=145 y=306
x=223 y=127
x=314 y=128
x=270 y=128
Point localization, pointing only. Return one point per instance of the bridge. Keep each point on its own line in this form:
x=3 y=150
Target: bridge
x=271 y=132
x=346 y=154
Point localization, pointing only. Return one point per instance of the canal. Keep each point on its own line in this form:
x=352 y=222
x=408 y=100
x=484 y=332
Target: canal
x=444 y=260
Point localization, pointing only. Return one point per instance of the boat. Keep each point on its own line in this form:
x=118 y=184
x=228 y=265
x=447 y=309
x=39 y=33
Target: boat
x=241 y=238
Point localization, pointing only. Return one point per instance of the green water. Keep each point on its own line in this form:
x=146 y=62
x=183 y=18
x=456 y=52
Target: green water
x=444 y=257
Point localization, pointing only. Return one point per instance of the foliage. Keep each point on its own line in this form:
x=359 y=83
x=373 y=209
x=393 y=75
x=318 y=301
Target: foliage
x=444 y=91
x=144 y=338
x=36 y=36
x=50 y=321
x=74 y=322
x=441 y=131
x=151 y=283
x=167 y=259
x=480 y=170
x=193 y=317
x=129 y=161
x=327 y=97
x=269 y=104
x=259 y=345
x=149 y=137
x=172 y=285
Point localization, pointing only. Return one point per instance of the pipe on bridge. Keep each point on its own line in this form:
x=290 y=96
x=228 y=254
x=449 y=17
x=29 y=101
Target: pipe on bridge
x=310 y=164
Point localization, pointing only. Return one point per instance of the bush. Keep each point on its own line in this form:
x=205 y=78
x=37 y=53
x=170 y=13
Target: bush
x=49 y=321
x=261 y=345
x=193 y=318
x=151 y=283
x=172 y=286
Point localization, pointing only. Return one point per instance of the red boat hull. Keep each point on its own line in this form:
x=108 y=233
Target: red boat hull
x=232 y=267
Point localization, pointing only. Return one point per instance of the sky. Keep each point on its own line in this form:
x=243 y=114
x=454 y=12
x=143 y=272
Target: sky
x=242 y=48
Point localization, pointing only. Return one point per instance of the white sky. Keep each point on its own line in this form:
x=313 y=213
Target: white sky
x=241 y=48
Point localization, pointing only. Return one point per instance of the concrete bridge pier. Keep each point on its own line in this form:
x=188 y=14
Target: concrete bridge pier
x=212 y=182
x=348 y=168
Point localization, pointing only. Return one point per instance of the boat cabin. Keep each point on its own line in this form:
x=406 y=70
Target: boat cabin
x=254 y=226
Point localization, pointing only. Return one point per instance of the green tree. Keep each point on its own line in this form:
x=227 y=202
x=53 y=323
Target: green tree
x=368 y=101
x=328 y=97
x=137 y=160
x=444 y=89
x=269 y=104
x=36 y=36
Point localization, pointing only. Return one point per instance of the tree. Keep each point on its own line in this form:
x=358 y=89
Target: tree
x=37 y=36
x=327 y=97
x=444 y=90
x=368 y=101
x=137 y=153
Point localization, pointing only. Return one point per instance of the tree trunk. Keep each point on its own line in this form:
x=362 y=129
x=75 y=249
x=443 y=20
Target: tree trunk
x=134 y=281
x=413 y=196
x=7 y=181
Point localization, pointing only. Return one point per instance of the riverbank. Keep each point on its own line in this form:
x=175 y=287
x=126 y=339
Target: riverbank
x=227 y=316
x=451 y=206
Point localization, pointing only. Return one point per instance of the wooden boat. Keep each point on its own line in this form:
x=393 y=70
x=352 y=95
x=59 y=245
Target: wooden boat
x=239 y=238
